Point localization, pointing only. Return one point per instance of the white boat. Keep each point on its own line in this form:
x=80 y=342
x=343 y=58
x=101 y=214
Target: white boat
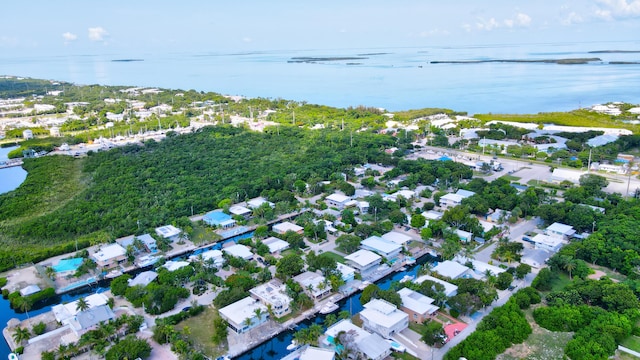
x=148 y=260
x=329 y=308
x=294 y=345
x=396 y=346
x=13 y=356
x=407 y=278
x=113 y=274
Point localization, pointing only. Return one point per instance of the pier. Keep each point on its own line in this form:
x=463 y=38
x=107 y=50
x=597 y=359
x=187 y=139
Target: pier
x=10 y=163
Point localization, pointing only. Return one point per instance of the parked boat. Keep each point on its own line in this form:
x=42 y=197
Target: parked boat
x=294 y=345
x=148 y=260
x=329 y=308
x=407 y=278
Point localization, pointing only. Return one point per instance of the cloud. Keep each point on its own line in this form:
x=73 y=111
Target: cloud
x=618 y=9
x=69 y=37
x=572 y=18
x=519 y=20
x=523 y=20
x=247 y=39
x=97 y=34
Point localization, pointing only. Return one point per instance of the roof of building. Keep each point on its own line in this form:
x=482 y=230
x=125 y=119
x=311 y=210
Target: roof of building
x=452 y=197
x=396 y=237
x=381 y=245
x=363 y=257
x=168 y=231
x=216 y=255
x=283 y=227
x=536 y=255
x=561 y=228
x=547 y=240
x=314 y=353
x=239 y=250
x=448 y=287
x=257 y=202
x=275 y=244
x=432 y=215
x=407 y=194
x=143 y=279
x=216 y=217
x=450 y=269
x=239 y=210
x=382 y=312
x=339 y=198
x=242 y=309
x=28 y=290
x=345 y=325
x=273 y=292
x=312 y=279
x=148 y=240
x=94 y=316
x=373 y=346
x=108 y=252
x=417 y=302
x=346 y=271
x=174 y=265
x=465 y=193
x=66 y=311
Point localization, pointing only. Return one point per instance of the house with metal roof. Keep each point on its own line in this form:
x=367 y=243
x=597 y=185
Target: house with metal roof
x=236 y=314
x=451 y=269
x=383 y=318
x=385 y=248
x=219 y=219
x=363 y=260
x=419 y=307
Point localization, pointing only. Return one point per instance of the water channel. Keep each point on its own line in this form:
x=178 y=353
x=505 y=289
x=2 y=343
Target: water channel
x=12 y=177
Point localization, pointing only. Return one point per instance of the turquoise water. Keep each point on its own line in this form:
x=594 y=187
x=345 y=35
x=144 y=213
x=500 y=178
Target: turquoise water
x=392 y=78
x=68 y=265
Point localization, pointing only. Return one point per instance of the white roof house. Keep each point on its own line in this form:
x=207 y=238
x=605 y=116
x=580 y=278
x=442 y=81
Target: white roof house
x=168 y=232
x=29 y=290
x=371 y=345
x=240 y=210
x=560 y=175
x=337 y=200
x=560 y=229
x=417 y=304
x=451 y=269
x=465 y=193
x=273 y=293
x=363 y=260
x=283 y=227
x=383 y=318
x=257 y=202
x=536 y=258
x=143 y=279
x=240 y=251
x=450 y=200
x=174 y=265
x=386 y=248
x=432 y=215
x=548 y=243
x=109 y=255
x=449 y=289
x=314 y=353
x=396 y=237
x=235 y=314
x=313 y=283
x=348 y=273
x=208 y=256
x=64 y=312
x=275 y=245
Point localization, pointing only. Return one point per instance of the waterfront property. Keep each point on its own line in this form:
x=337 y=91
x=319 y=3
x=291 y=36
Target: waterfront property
x=257 y=202
x=386 y=248
x=168 y=232
x=452 y=269
x=396 y=237
x=143 y=279
x=314 y=284
x=174 y=265
x=347 y=272
x=240 y=251
x=213 y=257
x=283 y=227
x=239 y=210
x=273 y=293
x=383 y=318
x=241 y=315
x=449 y=288
x=67 y=266
x=363 y=260
x=371 y=346
x=219 y=219
x=109 y=256
x=419 y=307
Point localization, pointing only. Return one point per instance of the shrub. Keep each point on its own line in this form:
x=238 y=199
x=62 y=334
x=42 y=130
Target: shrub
x=455 y=313
x=39 y=328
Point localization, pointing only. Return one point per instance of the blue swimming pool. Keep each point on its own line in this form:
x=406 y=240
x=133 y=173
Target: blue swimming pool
x=68 y=265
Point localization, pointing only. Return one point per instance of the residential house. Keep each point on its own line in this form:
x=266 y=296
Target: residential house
x=283 y=227
x=536 y=258
x=383 y=318
x=347 y=272
x=464 y=236
x=450 y=200
x=397 y=237
x=174 y=265
x=314 y=284
x=109 y=256
x=385 y=248
x=257 y=202
x=337 y=200
x=213 y=257
x=363 y=260
x=241 y=315
x=64 y=313
x=562 y=230
x=219 y=219
x=148 y=242
x=449 y=289
x=498 y=216
x=417 y=306
x=273 y=294
x=314 y=353
x=370 y=346
x=451 y=269
x=239 y=210
x=143 y=279
x=240 y=251
x=89 y=319
x=275 y=245
x=548 y=243
x=169 y=232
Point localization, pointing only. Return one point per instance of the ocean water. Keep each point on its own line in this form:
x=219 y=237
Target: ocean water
x=392 y=78
x=10 y=178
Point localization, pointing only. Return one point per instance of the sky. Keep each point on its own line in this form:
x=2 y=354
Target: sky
x=38 y=27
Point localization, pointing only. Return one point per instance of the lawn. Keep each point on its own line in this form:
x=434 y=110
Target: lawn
x=560 y=281
x=203 y=235
x=632 y=342
x=510 y=177
x=542 y=344
x=334 y=256
x=201 y=330
x=403 y=356
x=416 y=327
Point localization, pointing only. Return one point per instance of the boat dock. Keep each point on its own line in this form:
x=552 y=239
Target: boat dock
x=10 y=163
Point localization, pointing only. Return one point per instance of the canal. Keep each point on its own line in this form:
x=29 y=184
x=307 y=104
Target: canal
x=276 y=348
x=12 y=177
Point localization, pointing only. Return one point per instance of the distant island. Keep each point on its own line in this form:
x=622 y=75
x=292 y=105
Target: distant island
x=126 y=60
x=614 y=51
x=328 y=58
x=570 y=61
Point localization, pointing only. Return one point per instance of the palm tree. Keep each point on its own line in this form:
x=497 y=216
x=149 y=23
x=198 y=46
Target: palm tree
x=20 y=335
x=50 y=272
x=82 y=304
x=247 y=322
x=25 y=306
x=259 y=314
x=569 y=265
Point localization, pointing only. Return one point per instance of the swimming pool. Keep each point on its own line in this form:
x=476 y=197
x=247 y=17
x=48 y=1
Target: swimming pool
x=68 y=265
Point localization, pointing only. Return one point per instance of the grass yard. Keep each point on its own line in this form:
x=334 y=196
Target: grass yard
x=632 y=342
x=560 y=281
x=620 y=355
x=203 y=235
x=542 y=344
x=336 y=257
x=403 y=356
x=510 y=177
x=201 y=331
x=416 y=327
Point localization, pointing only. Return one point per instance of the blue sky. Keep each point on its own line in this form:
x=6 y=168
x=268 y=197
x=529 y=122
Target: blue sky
x=33 y=28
